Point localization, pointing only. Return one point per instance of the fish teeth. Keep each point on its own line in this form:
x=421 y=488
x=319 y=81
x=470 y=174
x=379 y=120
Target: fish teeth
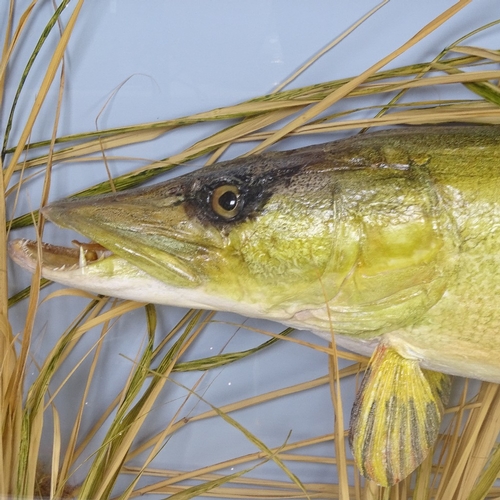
x=82 y=261
x=86 y=255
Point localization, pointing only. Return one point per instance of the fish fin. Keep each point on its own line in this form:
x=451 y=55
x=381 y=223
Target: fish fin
x=396 y=416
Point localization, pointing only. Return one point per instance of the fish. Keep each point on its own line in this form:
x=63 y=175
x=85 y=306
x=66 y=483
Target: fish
x=389 y=241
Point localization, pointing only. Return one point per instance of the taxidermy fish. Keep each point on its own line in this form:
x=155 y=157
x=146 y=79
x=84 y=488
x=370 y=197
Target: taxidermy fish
x=390 y=240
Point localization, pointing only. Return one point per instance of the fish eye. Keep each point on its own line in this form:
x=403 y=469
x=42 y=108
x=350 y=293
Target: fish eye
x=226 y=201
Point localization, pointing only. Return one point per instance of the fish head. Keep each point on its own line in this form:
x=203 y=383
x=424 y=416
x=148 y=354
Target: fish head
x=248 y=236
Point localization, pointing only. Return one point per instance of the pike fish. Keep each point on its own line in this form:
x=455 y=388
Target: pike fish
x=390 y=240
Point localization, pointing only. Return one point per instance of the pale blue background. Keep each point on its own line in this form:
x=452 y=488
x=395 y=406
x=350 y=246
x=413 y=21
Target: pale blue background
x=178 y=58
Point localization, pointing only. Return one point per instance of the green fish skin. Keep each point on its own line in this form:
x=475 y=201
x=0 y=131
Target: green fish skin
x=391 y=236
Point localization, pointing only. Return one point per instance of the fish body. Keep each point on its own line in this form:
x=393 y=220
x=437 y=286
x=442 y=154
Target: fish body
x=392 y=234
x=388 y=240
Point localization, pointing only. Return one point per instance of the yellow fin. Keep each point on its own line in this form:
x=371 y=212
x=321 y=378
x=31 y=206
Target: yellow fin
x=396 y=416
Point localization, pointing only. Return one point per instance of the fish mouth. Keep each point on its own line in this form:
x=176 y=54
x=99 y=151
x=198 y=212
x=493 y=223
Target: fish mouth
x=87 y=266
x=53 y=258
x=97 y=270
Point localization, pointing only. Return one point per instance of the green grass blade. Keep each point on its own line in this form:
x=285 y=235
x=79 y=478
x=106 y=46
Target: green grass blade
x=225 y=359
x=25 y=292
x=29 y=65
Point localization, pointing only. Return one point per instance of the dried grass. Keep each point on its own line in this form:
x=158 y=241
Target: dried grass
x=467 y=459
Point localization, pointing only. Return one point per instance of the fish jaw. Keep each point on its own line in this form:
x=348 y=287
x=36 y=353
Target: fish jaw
x=104 y=273
x=113 y=276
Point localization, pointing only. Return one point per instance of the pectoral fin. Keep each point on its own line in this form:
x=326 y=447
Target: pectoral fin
x=396 y=416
